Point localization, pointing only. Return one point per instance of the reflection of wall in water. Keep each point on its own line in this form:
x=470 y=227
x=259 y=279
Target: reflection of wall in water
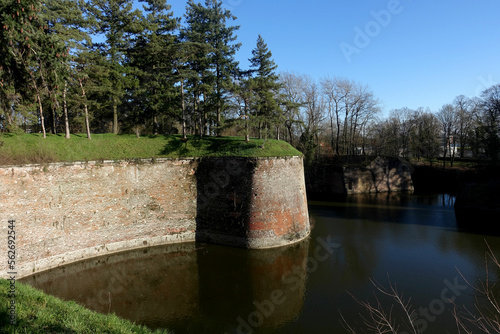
x=146 y=285
x=261 y=276
x=185 y=285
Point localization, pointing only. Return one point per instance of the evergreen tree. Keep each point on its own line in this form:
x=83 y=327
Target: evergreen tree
x=184 y=53
x=214 y=62
x=22 y=42
x=118 y=22
x=66 y=34
x=265 y=84
x=491 y=122
x=243 y=93
x=194 y=33
x=151 y=58
x=221 y=39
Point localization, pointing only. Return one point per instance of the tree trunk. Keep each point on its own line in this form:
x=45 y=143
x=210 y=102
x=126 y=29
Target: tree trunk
x=156 y=126
x=65 y=107
x=444 y=153
x=217 y=128
x=452 y=152
x=115 y=116
x=183 y=106
x=337 y=140
x=247 y=119
x=54 y=125
x=42 y=120
x=87 y=123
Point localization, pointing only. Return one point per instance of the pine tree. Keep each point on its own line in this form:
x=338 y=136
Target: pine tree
x=66 y=34
x=22 y=40
x=214 y=63
x=243 y=93
x=194 y=33
x=118 y=22
x=265 y=84
x=222 y=40
x=151 y=57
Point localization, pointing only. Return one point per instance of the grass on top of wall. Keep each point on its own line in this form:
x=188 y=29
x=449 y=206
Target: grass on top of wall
x=37 y=312
x=33 y=148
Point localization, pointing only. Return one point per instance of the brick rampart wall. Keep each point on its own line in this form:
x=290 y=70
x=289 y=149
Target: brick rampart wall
x=68 y=212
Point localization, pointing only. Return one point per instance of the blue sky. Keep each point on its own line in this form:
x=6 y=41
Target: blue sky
x=411 y=53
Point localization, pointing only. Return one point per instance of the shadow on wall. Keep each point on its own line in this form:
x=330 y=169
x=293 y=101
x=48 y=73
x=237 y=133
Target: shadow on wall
x=381 y=175
x=341 y=177
x=251 y=202
x=225 y=195
x=391 y=174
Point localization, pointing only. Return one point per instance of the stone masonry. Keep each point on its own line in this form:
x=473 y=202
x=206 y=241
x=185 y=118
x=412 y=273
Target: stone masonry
x=68 y=212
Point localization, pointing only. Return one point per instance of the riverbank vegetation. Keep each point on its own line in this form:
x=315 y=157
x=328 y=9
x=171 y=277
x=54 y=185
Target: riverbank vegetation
x=150 y=73
x=37 y=312
x=30 y=148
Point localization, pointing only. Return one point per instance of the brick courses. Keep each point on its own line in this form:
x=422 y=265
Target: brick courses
x=66 y=212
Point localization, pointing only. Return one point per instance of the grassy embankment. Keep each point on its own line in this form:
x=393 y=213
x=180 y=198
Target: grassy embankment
x=32 y=148
x=37 y=312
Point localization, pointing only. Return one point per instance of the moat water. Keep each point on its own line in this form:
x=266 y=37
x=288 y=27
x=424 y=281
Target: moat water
x=412 y=242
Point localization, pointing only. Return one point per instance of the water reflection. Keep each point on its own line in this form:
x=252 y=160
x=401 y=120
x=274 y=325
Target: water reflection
x=189 y=287
x=146 y=286
x=200 y=288
x=264 y=290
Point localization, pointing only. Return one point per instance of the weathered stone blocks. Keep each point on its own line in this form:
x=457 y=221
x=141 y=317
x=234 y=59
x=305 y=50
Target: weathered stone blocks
x=381 y=175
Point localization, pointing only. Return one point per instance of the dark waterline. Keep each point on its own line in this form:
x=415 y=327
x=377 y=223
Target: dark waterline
x=411 y=240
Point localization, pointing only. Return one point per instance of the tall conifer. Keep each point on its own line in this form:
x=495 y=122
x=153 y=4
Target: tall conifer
x=214 y=63
x=151 y=57
x=265 y=84
x=118 y=22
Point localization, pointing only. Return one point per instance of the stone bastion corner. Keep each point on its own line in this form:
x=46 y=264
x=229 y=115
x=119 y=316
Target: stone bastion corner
x=66 y=212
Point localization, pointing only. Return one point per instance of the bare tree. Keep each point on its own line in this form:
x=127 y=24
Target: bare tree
x=379 y=318
x=292 y=101
x=334 y=97
x=350 y=107
x=448 y=119
x=404 y=121
x=425 y=135
x=485 y=317
x=384 y=137
x=466 y=110
x=312 y=116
